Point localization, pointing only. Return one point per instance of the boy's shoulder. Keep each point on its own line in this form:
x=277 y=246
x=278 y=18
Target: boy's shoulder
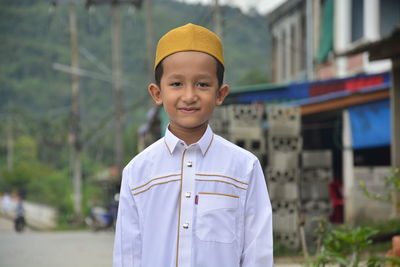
x=229 y=149
x=147 y=154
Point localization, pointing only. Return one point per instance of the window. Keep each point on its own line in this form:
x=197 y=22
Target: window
x=275 y=58
x=293 y=51
x=284 y=55
x=389 y=15
x=357 y=20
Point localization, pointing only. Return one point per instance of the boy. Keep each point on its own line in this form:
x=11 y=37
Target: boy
x=192 y=199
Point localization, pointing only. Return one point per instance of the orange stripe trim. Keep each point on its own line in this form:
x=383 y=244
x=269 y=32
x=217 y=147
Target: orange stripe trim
x=218 y=194
x=202 y=174
x=133 y=189
x=165 y=142
x=137 y=193
x=212 y=138
x=206 y=180
x=179 y=216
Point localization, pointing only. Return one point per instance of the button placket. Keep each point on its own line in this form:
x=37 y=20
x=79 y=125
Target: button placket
x=186 y=216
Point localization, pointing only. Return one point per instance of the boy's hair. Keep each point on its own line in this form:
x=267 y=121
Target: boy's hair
x=158 y=73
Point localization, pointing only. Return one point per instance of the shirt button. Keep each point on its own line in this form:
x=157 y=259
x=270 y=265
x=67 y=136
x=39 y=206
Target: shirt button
x=189 y=164
x=188 y=194
x=185 y=225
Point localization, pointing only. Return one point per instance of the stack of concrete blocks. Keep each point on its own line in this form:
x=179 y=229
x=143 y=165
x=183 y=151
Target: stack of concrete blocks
x=219 y=121
x=316 y=175
x=245 y=127
x=283 y=173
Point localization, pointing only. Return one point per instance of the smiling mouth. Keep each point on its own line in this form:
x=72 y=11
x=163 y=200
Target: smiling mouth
x=188 y=110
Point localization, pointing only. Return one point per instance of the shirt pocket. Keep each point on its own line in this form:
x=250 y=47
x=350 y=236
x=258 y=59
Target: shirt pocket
x=217 y=217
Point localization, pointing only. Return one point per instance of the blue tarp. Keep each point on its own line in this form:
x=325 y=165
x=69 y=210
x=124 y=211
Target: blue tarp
x=370 y=124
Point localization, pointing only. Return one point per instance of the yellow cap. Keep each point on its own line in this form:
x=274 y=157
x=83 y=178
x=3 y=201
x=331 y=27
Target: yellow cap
x=189 y=37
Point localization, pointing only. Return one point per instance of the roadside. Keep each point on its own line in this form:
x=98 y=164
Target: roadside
x=65 y=248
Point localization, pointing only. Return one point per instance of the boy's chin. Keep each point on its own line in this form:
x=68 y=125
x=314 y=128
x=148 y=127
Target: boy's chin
x=189 y=126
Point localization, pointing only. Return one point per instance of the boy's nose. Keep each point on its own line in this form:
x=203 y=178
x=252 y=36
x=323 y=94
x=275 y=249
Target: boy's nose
x=189 y=94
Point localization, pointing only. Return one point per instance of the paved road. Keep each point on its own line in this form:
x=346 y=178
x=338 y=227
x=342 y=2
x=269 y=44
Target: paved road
x=54 y=249
x=62 y=249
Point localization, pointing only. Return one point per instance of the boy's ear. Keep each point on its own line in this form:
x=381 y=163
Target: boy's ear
x=155 y=92
x=223 y=91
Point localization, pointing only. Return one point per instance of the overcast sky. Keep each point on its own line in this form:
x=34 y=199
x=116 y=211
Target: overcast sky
x=262 y=6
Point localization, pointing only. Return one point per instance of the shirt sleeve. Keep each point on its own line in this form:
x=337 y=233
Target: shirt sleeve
x=258 y=246
x=127 y=243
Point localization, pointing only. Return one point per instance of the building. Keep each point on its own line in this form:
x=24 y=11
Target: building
x=322 y=45
x=308 y=34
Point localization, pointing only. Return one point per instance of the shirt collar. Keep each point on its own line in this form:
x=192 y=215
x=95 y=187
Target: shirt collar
x=171 y=141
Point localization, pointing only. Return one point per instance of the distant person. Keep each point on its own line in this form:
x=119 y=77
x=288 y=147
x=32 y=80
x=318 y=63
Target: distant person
x=19 y=221
x=192 y=198
x=6 y=205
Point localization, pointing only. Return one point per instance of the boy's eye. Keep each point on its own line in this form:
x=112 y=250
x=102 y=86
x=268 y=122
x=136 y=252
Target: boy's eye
x=203 y=84
x=176 y=84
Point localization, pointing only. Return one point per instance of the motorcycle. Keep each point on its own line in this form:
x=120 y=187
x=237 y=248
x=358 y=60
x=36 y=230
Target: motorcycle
x=19 y=221
x=101 y=218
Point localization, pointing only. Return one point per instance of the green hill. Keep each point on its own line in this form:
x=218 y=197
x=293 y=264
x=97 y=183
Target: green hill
x=34 y=39
x=35 y=99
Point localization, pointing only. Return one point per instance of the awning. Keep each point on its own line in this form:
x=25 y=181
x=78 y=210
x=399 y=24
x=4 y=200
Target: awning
x=370 y=124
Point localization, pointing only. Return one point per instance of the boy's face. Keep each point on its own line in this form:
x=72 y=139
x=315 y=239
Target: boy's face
x=189 y=89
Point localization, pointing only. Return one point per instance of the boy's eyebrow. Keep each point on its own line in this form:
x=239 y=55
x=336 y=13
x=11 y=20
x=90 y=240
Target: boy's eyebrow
x=175 y=76
x=204 y=76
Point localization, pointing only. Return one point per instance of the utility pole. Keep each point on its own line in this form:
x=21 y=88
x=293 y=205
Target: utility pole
x=149 y=39
x=117 y=85
x=75 y=121
x=117 y=74
x=217 y=19
x=10 y=143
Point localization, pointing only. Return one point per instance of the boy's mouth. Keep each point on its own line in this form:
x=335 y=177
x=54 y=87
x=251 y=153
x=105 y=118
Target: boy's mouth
x=188 y=110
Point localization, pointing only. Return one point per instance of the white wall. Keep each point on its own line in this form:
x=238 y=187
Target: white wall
x=36 y=215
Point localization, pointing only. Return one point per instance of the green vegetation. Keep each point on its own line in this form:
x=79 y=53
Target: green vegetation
x=35 y=99
x=350 y=247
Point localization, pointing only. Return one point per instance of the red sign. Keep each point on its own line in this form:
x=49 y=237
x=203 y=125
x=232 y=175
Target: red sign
x=354 y=84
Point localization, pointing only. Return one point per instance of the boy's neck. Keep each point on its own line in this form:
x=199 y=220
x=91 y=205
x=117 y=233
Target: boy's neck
x=189 y=136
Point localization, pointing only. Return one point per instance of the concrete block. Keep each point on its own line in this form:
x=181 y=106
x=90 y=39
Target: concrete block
x=316 y=190
x=316 y=159
x=316 y=208
x=288 y=239
x=283 y=160
x=283 y=191
x=282 y=175
x=285 y=143
x=219 y=121
x=286 y=222
x=316 y=174
x=245 y=115
x=284 y=121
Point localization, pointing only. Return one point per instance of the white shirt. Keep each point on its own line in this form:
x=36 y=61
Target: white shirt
x=203 y=205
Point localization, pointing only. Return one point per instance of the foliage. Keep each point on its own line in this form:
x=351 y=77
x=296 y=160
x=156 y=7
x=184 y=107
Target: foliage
x=36 y=98
x=345 y=246
x=252 y=77
x=39 y=97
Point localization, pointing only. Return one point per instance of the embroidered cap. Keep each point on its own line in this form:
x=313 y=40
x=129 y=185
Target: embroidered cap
x=189 y=37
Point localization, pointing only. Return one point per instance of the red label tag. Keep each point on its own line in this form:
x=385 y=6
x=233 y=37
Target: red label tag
x=196 y=200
